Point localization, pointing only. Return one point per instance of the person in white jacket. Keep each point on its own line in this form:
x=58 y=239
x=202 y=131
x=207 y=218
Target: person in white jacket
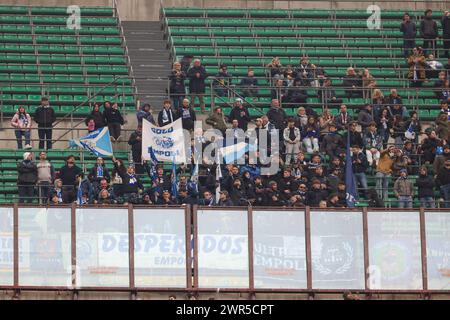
x=291 y=137
x=22 y=123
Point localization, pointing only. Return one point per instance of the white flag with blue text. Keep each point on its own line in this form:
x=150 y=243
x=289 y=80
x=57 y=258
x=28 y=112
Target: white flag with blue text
x=167 y=143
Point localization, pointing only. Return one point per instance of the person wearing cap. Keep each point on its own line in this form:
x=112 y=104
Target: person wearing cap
x=425 y=190
x=45 y=116
x=217 y=120
x=333 y=144
x=27 y=178
x=404 y=190
x=21 y=121
x=167 y=115
x=365 y=117
x=222 y=80
x=439 y=161
x=240 y=113
x=46 y=176
x=315 y=194
x=197 y=76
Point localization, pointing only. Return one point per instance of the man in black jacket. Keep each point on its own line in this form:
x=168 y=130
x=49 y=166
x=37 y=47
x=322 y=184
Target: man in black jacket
x=98 y=172
x=27 y=178
x=359 y=167
x=197 y=75
x=277 y=116
x=408 y=28
x=68 y=175
x=425 y=184
x=187 y=115
x=135 y=141
x=114 y=120
x=241 y=114
x=249 y=85
x=445 y=22
x=166 y=115
x=429 y=32
x=45 y=117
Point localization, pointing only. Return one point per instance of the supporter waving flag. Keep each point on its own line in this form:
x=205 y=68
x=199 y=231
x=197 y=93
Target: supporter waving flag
x=98 y=142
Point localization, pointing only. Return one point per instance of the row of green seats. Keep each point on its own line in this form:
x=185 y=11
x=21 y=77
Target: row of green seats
x=319 y=23
x=26 y=29
x=284 y=42
x=51 y=20
x=279 y=32
x=87 y=11
x=13 y=38
x=61 y=59
x=284 y=52
x=66 y=89
x=56 y=78
x=296 y=13
x=62 y=49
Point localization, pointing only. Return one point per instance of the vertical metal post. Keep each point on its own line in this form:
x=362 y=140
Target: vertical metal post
x=195 y=237
x=366 y=249
x=251 y=278
x=423 y=249
x=308 y=248
x=188 y=232
x=16 y=244
x=73 y=241
x=131 y=246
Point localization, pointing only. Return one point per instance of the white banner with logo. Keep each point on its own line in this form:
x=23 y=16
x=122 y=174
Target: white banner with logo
x=166 y=142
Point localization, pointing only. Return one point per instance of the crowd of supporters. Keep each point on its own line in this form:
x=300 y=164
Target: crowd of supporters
x=387 y=141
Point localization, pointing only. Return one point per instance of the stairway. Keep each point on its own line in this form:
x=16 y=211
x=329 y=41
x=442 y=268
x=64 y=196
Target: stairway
x=150 y=60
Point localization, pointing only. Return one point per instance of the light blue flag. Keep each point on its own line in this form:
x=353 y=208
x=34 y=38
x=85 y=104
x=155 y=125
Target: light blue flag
x=98 y=142
x=237 y=151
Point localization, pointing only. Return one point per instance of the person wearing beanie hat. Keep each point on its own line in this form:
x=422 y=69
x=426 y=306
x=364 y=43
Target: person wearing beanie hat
x=403 y=190
x=241 y=114
x=27 y=178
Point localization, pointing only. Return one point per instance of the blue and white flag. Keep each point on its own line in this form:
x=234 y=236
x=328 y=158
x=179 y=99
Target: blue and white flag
x=218 y=177
x=350 y=184
x=98 y=142
x=166 y=142
x=236 y=151
x=193 y=183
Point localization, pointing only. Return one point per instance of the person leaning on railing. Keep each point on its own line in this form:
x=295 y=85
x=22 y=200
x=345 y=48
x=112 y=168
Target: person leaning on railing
x=27 y=178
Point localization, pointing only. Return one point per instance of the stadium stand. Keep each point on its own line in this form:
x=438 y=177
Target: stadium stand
x=332 y=39
x=39 y=56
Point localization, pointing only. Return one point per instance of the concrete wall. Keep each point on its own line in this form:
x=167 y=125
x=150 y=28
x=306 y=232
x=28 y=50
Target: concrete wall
x=148 y=10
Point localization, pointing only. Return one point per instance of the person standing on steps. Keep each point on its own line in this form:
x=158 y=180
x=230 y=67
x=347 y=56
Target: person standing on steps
x=114 y=121
x=45 y=117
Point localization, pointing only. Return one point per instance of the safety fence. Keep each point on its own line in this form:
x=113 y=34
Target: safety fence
x=163 y=249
